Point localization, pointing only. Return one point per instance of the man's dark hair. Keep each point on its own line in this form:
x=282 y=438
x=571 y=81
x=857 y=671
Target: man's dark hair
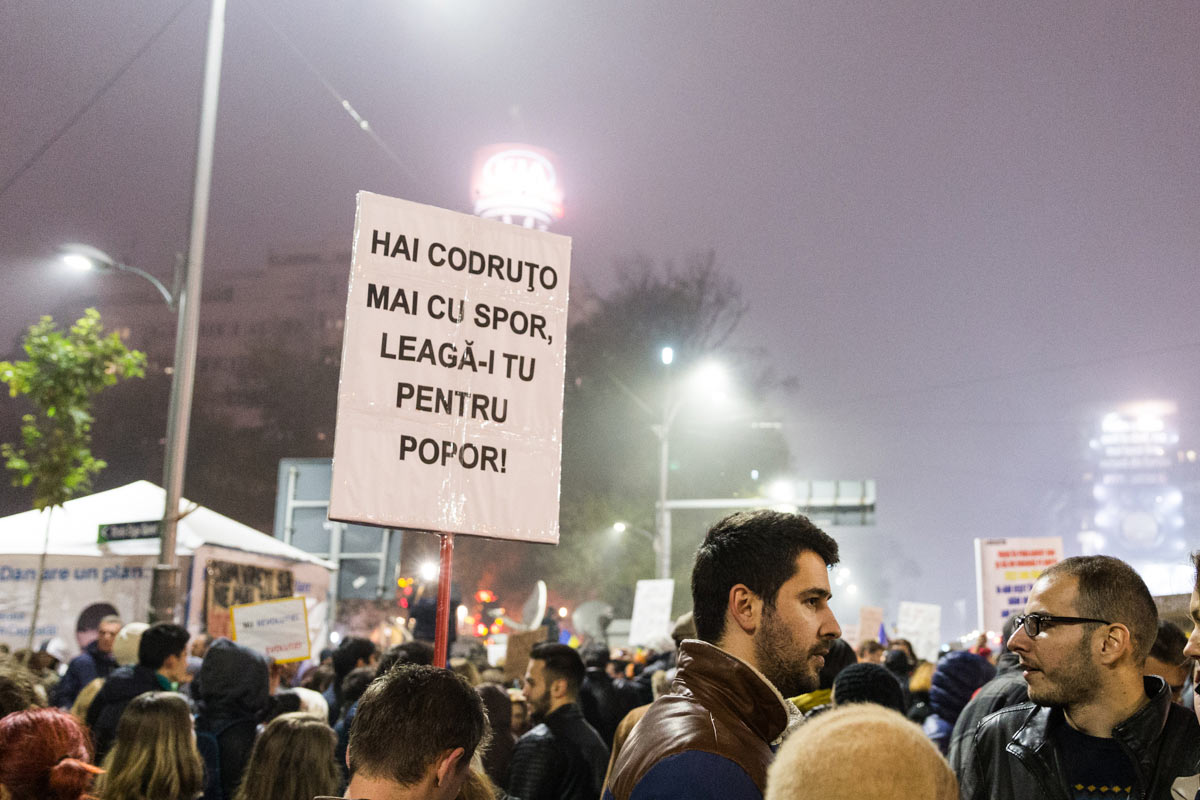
x=354 y=684
x=755 y=548
x=1112 y=590
x=410 y=716
x=1169 y=644
x=349 y=652
x=160 y=640
x=413 y=652
x=595 y=656
x=840 y=656
x=561 y=662
x=1196 y=564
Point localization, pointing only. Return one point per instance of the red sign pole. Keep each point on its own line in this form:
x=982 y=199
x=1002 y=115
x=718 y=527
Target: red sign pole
x=441 y=634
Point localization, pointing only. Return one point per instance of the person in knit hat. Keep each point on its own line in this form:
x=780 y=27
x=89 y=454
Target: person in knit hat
x=955 y=680
x=867 y=683
x=896 y=759
x=125 y=646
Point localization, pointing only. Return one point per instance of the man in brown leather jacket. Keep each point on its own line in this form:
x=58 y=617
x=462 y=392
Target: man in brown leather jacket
x=760 y=593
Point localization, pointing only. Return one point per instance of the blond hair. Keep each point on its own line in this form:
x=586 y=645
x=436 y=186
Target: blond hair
x=922 y=678
x=154 y=755
x=903 y=762
x=293 y=759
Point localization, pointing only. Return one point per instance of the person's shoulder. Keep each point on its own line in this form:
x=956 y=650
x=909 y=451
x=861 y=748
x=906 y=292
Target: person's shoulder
x=537 y=736
x=696 y=774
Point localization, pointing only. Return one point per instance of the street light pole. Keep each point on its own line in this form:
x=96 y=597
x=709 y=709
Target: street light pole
x=662 y=521
x=662 y=524
x=164 y=592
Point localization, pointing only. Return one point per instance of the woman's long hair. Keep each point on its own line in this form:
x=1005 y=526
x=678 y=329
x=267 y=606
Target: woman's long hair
x=45 y=753
x=154 y=755
x=292 y=760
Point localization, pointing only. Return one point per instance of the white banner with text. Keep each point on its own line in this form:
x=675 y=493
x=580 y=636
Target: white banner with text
x=450 y=401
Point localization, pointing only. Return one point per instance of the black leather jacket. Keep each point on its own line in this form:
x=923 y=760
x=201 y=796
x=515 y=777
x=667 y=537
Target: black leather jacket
x=563 y=758
x=1016 y=756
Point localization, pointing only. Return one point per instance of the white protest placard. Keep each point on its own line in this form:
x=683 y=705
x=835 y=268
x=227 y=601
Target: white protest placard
x=651 y=620
x=1005 y=570
x=450 y=401
x=276 y=628
x=921 y=624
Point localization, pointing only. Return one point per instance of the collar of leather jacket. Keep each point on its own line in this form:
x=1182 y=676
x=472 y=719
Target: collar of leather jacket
x=1138 y=733
x=720 y=680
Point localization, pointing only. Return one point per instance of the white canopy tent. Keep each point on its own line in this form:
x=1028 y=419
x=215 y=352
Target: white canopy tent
x=84 y=576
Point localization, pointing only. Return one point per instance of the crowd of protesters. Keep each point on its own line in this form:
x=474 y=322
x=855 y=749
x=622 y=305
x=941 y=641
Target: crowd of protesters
x=1090 y=695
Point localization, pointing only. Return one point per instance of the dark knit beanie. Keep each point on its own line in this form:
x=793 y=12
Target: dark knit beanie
x=868 y=683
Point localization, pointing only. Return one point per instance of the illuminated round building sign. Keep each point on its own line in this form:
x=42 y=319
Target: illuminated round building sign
x=517 y=183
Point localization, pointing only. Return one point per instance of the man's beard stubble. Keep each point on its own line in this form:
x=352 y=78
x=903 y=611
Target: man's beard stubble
x=784 y=662
x=1074 y=684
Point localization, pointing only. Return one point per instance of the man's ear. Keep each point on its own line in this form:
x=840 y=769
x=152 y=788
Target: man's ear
x=449 y=765
x=558 y=688
x=1117 y=642
x=745 y=608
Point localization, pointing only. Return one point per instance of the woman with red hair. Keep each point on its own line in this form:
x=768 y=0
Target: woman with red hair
x=45 y=755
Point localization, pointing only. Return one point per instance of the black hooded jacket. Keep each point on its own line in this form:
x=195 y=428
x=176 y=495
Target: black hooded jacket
x=232 y=694
x=124 y=684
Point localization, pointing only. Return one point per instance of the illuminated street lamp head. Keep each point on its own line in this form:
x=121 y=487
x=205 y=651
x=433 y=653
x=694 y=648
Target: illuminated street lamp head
x=429 y=571
x=668 y=355
x=84 y=257
x=619 y=527
x=712 y=377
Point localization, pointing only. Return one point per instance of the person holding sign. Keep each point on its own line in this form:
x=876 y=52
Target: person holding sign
x=760 y=593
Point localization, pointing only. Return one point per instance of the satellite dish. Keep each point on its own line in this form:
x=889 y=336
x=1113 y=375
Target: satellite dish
x=591 y=619
x=534 y=610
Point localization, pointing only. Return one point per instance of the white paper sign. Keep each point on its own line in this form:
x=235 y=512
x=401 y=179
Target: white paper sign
x=651 y=620
x=276 y=628
x=450 y=401
x=1005 y=570
x=921 y=624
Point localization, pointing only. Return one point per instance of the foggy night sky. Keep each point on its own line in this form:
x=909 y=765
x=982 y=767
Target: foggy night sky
x=966 y=228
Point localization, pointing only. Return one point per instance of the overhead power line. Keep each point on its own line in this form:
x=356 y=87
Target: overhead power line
x=359 y=120
x=74 y=118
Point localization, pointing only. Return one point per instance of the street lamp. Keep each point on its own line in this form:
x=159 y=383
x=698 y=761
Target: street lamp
x=164 y=590
x=711 y=377
x=86 y=258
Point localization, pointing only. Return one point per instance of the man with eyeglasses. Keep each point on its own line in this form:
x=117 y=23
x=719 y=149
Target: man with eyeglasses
x=1095 y=728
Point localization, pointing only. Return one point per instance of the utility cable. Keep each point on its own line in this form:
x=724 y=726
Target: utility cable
x=359 y=120
x=70 y=123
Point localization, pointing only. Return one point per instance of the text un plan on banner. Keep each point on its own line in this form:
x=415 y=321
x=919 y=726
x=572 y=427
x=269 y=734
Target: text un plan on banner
x=450 y=400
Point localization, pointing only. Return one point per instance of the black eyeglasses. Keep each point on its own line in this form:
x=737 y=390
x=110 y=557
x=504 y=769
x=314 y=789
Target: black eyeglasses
x=1033 y=623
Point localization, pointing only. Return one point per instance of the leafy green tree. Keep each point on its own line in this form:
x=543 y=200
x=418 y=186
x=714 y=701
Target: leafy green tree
x=62 y=374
